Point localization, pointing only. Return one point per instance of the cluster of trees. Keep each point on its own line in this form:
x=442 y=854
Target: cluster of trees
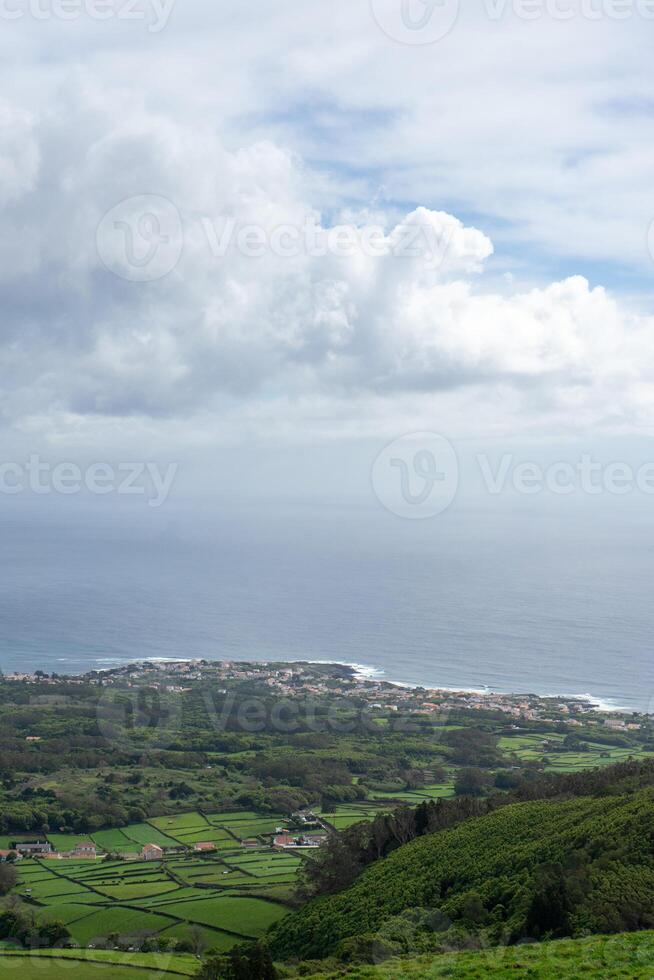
x=314 y=774
x=21 y=925
x=474 y=747
x=41 y=814
x=8 y=877
x=249 y=962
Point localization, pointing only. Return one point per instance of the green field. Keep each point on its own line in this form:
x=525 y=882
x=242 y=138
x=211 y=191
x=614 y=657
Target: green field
x=528 y=747
x=63 y=964
x=115 y=840
x=66 y=842
x=242 y=916
x=180 y=823
x=146 y=833
x=130 y=891
x=243 y=891
x=346 y=814
x=125 y=922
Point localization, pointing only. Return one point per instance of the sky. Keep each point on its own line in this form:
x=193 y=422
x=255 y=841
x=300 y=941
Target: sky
x=295 y=229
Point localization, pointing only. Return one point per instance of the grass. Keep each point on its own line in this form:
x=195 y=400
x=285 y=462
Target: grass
x=627 y=956
x=146 y=833
x=219 y=941
x=115 y=840
x=269 y=867
x=106 y=965
x=66 y=842
x=179 y=823
x=243 y=916
x=253 y=828
x=126 y=922
x=180 y=895
x=441 y=791
x=346 y=818
x=233 y=816
x=207 y=835
x=69 y=913
x=55 y=887
x=129 y=892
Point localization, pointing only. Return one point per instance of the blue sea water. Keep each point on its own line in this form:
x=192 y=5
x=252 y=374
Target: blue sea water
x=526 y=598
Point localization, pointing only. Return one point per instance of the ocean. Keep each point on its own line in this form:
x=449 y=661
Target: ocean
x=553 y=599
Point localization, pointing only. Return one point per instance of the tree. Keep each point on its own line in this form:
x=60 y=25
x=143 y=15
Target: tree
x=196 y=939
x=402 y=824
x=252 y=962
x=471 y=782
x=505 y=779
x=8 y=877
x=549 y=911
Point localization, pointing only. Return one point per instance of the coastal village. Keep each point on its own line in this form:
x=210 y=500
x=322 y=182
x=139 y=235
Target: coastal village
x=307 y=679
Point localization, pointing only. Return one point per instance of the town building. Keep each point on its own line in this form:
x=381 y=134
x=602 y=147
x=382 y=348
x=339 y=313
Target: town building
x=32 y=847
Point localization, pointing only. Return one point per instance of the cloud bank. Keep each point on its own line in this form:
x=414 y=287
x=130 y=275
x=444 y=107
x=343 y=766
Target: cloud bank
x=361 y=310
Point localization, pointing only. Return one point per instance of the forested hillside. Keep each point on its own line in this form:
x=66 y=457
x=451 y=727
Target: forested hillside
x=345 y=856
x=530 y=870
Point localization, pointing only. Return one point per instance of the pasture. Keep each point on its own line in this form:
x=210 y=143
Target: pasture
x=228 y=895
x=533 y=747
x=100 y=964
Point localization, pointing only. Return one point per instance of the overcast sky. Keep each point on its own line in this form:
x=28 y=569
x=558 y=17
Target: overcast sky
x=172 y=182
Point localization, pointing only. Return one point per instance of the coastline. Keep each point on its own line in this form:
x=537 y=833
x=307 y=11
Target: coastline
x=368 y=673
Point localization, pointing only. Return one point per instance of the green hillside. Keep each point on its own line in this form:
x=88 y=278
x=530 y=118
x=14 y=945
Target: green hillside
x=611 y=958
x=531 y=870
